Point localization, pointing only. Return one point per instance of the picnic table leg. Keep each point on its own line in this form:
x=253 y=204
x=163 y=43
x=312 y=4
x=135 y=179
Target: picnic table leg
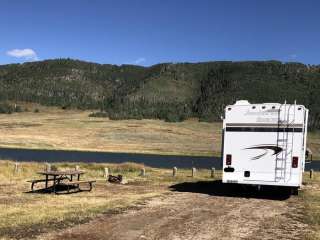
x=71 y=178
x=78 y=177
x=47 y=181
x=54 y=184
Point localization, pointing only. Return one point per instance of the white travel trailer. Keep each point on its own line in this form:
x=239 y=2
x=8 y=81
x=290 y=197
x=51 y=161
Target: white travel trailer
x=264 y=144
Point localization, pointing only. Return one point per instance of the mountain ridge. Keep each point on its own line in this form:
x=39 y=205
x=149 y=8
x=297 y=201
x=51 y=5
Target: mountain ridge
x=171 y=91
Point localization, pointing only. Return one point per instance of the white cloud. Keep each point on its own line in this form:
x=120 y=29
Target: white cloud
x=27 y=53
x=139 y=60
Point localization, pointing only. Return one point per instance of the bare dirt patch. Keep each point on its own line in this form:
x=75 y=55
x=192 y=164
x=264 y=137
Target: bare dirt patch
x=199 y=213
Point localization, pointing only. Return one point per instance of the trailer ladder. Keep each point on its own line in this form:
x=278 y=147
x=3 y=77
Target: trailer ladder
x=286 y=119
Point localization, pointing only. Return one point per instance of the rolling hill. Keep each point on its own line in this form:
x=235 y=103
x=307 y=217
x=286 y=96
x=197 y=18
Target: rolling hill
x=171 y=91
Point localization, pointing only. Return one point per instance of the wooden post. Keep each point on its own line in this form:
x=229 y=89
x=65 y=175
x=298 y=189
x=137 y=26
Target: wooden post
x=311 y=173
x=194 y=172
x=16 y=167
x=106 y=172
x=143 y=172
x=213 y=172
x=174 y=171
x=48 y=167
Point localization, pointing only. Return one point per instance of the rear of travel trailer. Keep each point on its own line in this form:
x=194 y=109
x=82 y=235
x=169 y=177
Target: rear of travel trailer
x=264 y=144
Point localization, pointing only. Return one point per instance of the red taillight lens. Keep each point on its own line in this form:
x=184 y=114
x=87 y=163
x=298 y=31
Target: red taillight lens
x=228 y=159
x=295 y=161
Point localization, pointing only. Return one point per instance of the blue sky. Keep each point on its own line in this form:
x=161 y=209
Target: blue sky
x=147 y=32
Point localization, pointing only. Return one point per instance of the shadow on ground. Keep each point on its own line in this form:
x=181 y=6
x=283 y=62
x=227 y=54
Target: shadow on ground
x=60 y=189
x=217 y=188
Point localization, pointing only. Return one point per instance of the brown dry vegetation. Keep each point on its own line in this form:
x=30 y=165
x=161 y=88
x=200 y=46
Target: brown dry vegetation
x=156 y=206
x=311 y=198
x=52 y=128
x=314 y=143
x=25 y=215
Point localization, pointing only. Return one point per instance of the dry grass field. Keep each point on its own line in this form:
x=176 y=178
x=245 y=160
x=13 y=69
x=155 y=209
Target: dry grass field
x=314 y=143
x=311 y=199
x=53 y=128
x=25 y=215
x=156 y=206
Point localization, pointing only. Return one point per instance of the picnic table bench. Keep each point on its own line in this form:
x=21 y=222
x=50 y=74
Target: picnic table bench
x=58 y=178
x=33 y=182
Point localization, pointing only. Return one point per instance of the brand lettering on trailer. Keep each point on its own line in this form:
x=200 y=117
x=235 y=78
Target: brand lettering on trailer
x=268 y=120
x=269 y=112
x=275 y=150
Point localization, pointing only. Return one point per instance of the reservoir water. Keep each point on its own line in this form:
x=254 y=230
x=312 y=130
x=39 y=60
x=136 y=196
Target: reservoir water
x=152 y=160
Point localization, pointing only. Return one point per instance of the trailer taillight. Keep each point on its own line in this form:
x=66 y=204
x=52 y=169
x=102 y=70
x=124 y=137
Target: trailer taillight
x=228 y=159
x=295 y=161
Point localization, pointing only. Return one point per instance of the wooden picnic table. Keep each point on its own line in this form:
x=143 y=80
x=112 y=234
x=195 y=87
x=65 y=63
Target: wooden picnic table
x=57 y=176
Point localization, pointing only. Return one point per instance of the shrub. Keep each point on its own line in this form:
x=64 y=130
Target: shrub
x=18 y=108
x=98 y=114
x=6 y=108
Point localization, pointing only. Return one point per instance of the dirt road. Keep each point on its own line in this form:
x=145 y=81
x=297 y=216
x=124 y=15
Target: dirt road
x=199 y=211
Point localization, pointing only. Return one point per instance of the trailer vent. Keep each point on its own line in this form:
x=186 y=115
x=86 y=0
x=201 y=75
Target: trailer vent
x=295 y=162
x=228 y=159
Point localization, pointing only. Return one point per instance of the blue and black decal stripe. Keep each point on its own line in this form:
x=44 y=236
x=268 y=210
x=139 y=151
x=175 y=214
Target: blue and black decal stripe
x=262 y=129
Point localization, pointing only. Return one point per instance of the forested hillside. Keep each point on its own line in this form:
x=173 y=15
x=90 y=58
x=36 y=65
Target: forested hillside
x=166 y=91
